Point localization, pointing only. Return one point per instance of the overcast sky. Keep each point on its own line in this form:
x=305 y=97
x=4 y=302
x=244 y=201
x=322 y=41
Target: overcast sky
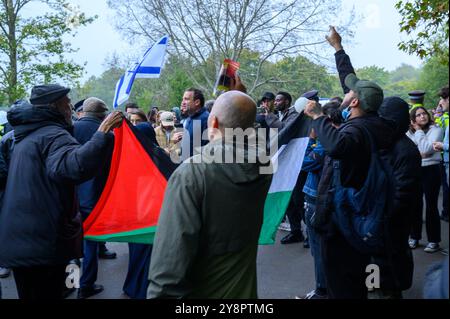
x=375 y=42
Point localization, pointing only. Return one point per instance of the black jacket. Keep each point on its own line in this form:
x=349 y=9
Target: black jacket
x=273 y=121
x=90 y=191
x=406 y=162
x=6 y=148
x=39 y=222
x=344 y=67
x=349 y=144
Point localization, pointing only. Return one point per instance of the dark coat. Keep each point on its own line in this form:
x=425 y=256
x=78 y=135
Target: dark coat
x=148 y=131
x=349 y=144
x=406 y=163
x=273 y=121
x=39 y=219
x=6 y=148
x=344 y=67
x=90 y=191
x=188 y=147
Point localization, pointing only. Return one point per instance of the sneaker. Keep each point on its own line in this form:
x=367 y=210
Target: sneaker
x=285 y=227
x=312 y=295
x=291 y=238
x=432 y=248
x=413 y=243
x=4 y=272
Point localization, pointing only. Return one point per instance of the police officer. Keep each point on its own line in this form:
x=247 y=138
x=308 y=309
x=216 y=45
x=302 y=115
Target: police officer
x=312 y=95
x=416 y=99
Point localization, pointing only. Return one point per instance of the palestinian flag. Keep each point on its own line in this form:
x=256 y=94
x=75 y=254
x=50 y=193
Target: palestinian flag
x=292 y=143
x=128 y=209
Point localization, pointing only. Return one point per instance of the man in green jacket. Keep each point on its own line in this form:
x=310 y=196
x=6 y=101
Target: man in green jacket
x=207 y=238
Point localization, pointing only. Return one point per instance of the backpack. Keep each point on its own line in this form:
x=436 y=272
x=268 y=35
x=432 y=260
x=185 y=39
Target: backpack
x=362 y=216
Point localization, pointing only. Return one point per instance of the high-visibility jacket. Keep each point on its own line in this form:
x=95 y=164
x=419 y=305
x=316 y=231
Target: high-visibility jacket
x=413 y=106
x=442 y=121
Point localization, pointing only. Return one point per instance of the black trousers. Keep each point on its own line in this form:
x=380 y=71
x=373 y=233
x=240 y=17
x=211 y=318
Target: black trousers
x=444 y=180
x=40 y=282
x=431 y=184
x=344 y=268
x=296 y=208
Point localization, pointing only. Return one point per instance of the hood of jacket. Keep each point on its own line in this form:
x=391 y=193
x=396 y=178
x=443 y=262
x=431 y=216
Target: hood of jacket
x=246 y=164
x=26 y=118
x=396 y=110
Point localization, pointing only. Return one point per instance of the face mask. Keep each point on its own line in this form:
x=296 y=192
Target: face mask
x=346 y=113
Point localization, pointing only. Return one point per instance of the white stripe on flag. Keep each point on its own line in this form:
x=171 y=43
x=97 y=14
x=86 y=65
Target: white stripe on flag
x=149 y=67
x=289 y=161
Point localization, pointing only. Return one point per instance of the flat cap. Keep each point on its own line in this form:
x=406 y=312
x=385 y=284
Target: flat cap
x=95 y=105
x=46 y=94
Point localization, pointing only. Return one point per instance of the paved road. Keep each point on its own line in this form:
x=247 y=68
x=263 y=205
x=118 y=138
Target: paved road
x=284 y=271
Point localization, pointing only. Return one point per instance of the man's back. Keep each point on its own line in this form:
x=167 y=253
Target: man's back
x=90 y=191
x=211 y=220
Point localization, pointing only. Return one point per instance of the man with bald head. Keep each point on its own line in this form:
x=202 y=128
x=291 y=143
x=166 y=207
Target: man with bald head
x=208 y=230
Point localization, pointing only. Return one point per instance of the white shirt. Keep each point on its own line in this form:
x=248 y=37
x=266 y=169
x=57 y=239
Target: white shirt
x=424 y=142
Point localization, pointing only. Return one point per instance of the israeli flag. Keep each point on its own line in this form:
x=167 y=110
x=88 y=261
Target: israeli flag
x=149 y=67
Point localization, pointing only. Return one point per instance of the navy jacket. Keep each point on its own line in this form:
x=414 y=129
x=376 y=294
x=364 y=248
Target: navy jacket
x=188 y=146
x=90 y=191
x=39 y=221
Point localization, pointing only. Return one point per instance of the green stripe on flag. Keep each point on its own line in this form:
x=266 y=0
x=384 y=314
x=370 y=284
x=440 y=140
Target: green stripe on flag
x=138 y=236
x=274 y=210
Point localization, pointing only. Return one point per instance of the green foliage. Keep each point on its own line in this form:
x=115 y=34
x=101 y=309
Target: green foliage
x=32 y=49
x=165 y=92
x=374 y=73
x=427 y=23
x=295 y=75
x=433 y=77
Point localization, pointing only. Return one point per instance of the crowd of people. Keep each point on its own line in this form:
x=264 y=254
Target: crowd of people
x=55 y=160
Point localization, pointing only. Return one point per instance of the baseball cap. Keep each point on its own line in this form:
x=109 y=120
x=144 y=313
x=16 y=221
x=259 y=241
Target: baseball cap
x=370 y=94
x=167 y=119
x=268 y=96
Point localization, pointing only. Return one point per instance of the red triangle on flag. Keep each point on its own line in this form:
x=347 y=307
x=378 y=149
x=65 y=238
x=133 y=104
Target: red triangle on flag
x=128 y=209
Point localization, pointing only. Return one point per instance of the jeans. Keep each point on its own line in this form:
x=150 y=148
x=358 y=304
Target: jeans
x=90 y=260
x=90 y=264
x=315 y=245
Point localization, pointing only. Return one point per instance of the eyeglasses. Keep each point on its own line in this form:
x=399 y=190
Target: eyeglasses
x=421 y=114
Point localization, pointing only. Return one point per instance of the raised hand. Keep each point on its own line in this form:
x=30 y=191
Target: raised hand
x=334 y=39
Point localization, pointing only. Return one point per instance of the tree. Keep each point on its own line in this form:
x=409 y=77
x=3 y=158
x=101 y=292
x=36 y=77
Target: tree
x=405 y=72
x=164 y=92
x=427 y=21
x=32 y=49
x=292 y=74
x=375 y=74
x=434 y=76
x=206 y=32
